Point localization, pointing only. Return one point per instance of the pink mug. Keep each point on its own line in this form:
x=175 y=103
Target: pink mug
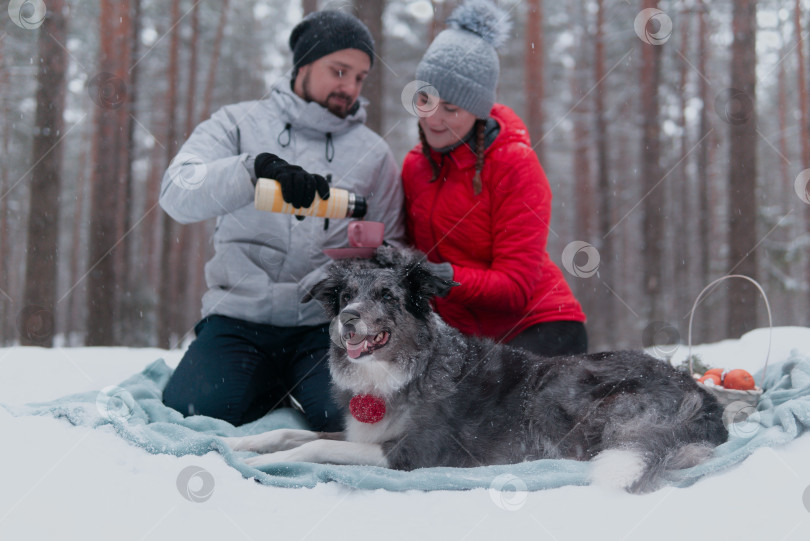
x=363 y=234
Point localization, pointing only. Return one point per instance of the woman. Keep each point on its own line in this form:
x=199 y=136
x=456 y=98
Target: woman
x=478 y=202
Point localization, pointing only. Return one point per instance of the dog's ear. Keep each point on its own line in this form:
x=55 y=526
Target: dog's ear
x=387 y=256
x=327 y=292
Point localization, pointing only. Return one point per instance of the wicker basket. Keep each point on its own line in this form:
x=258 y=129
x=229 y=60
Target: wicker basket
x=728 y=396
x=725 y=396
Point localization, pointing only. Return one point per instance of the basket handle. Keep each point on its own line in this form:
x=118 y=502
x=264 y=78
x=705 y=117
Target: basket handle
x=767 y=306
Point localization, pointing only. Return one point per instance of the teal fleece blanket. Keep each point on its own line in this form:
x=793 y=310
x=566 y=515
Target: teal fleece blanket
x=134 y=409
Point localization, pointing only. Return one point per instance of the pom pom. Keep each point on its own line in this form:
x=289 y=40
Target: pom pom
x=483 y=18
x=367 y=408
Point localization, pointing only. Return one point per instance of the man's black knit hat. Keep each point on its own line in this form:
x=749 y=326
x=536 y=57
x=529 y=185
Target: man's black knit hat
x=324 y=32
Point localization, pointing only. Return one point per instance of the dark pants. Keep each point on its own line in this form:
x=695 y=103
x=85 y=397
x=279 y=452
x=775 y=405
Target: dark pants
x=553 y=338
x=238 y=371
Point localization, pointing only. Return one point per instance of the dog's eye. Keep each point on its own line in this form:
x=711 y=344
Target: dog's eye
x=387 y=296
x=345 y=297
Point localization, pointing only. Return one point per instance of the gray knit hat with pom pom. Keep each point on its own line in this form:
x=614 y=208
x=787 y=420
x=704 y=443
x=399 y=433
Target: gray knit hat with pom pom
x=462 y=63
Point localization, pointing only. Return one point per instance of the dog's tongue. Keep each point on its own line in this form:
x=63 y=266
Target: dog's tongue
x=357 y=346
x=355 y=350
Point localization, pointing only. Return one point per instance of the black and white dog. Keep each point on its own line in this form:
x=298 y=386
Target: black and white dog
x=418 y=393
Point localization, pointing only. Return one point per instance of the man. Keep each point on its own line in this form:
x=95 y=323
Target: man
x=256 y=344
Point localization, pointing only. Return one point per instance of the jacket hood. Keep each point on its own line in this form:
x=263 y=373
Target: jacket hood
x=310 y=115
x=513 y=130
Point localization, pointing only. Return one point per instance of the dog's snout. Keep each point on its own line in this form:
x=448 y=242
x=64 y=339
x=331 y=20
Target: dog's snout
x=352 y=328
x=349 y=329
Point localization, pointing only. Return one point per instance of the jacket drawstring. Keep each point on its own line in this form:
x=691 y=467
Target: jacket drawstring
x=330 y=147
x=288 y=133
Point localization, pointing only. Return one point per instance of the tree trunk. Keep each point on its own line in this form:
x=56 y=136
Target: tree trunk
x=804 y=126
x=740 y=113
x=309 y=6
x=168 y=287
x=212 y=71
x=604 y=191
x=534 y=85
x=150 y=255
x=583 y=184
x=371 y=13
x=807 y=208
x=580 y=81
x=627 y=262
x=123 y=179
x=783 y=190
x=191 y=93
x=36 y=321
x=436 y=20
x=707 y=184
x=5 y=251
x=784 y=147
x=804 y=118
x=682 y=210
x=200 y=231
x=129 y=274
x=441 y=10
x=189 y=233
x=651 y=174
x=75 y=242
x=703 y=166
x=108 y=91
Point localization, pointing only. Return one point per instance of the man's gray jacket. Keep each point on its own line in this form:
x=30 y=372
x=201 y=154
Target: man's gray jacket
x=265 y=262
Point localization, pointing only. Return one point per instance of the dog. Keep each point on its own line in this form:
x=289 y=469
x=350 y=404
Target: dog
x=418 y=393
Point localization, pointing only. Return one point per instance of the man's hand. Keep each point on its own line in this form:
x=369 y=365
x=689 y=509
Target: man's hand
x=298 y=187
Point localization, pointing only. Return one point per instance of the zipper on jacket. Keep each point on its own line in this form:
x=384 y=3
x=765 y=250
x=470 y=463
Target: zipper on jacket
x=433 y=205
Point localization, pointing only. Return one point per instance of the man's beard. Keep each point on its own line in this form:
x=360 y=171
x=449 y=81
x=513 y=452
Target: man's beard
x=340 y=109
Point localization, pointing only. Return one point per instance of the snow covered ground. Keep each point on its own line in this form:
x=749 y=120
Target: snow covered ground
x=63 y=482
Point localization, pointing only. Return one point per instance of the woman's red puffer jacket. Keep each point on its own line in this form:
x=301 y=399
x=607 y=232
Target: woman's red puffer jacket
x=496 y=240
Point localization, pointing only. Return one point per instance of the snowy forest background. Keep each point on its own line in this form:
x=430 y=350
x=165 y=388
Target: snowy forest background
x=677 y=144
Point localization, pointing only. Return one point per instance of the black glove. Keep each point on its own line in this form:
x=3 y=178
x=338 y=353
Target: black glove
x=443 y=271
x=297 y=186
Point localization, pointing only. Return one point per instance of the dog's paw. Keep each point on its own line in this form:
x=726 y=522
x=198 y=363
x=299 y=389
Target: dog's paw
x=239 y=443
x=617 y=468
x=271 y=442
x=278 y=457
x=267 y=442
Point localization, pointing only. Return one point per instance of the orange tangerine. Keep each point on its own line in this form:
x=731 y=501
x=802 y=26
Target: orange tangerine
x=739 y=379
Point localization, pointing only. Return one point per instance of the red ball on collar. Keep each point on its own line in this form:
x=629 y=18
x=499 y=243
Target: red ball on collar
x=367 y=408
